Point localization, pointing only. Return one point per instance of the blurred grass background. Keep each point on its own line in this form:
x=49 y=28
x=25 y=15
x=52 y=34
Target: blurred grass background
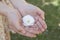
x=52 y=14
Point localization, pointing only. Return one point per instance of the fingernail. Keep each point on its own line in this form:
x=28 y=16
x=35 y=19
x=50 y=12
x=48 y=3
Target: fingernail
x=34 y=35
x=23 y=31
x=43 y=18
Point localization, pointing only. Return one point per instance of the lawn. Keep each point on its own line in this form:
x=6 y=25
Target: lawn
x=52 y=15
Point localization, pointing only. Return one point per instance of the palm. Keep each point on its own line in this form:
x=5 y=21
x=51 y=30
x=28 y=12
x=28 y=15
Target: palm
x=38 y=14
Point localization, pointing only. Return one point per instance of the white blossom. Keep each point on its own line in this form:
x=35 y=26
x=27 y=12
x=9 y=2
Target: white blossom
x=28 y=20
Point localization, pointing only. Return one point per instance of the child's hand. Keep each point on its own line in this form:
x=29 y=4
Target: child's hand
x=38 y=14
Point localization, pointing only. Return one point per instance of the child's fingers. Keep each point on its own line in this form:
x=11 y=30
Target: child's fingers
x=40 y=13
x=32 y=30
x=43 y=24
x=19 y=32
x=28 y=34
x=40 y=27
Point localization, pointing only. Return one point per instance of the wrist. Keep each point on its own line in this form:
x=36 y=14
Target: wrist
x=18 y=3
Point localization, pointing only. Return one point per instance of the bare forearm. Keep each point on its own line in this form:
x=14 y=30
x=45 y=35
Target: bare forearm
x=4 y=9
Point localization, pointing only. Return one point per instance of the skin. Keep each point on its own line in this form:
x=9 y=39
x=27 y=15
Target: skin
x=15 y=15
x=25 y=8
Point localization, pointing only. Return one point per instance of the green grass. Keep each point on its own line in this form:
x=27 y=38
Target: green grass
x=52 y=14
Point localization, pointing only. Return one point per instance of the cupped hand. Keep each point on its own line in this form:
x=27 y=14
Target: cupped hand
x=40 y=25
x=29 y=9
